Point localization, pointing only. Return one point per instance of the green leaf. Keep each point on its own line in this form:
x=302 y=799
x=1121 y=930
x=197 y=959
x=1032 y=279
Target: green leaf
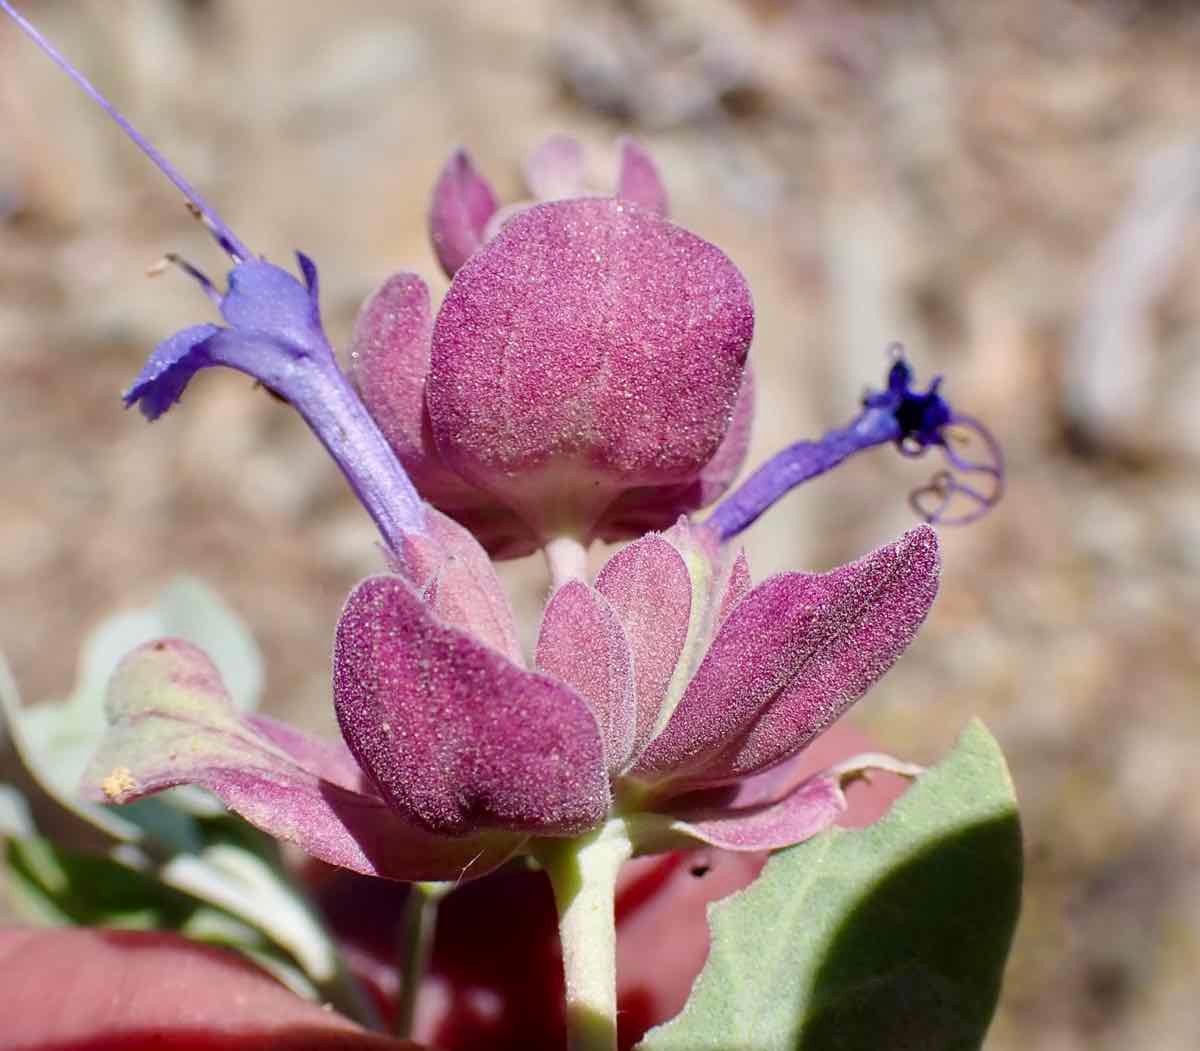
x=53 y=886
x=55 y=739
x=240 y=869
x=56 y=887
x=15 y=818
x=892 y=936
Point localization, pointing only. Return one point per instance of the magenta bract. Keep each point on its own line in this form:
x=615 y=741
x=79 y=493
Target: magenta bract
x=670 y=694
x=463 y=202
x=592 y=340
x=585 y=376
x=452 y=733
x=583 y=643
x=465 y=212
x=655 y=619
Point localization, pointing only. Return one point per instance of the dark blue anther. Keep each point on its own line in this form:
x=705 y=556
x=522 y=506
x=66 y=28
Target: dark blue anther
x=914 y=421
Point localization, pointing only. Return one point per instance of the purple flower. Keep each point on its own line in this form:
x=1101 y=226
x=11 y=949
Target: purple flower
x=584 y=378
x=670 y=695
x=272 y=332
x=465 y=212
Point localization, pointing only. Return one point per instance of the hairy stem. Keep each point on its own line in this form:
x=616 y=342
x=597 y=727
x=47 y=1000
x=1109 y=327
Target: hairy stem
x=567 y=559
x=416 y=949
x=583 y=873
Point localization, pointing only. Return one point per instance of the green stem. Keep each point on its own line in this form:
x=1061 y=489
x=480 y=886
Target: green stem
x=583 y=873
x=416 y=948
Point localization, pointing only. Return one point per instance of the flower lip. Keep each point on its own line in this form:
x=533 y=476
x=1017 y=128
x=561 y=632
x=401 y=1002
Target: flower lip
x=919 y=415
x=265 y=298
x=274 y=323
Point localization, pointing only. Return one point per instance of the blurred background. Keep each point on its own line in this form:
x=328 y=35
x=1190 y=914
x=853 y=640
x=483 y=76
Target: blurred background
x=1012 y=188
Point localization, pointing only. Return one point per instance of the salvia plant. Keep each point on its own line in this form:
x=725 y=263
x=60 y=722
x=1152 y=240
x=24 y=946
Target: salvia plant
x=586 y=378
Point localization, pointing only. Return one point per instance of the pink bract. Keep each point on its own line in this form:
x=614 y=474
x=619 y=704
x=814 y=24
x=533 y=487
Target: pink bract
x=585 y=376
x=465 y=212
x=670 y=695
x=463 y=202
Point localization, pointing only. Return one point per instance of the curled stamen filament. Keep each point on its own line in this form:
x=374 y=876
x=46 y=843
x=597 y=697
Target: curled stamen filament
x=946 y=485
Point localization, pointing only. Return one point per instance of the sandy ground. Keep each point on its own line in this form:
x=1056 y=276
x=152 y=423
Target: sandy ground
x=1012 y=188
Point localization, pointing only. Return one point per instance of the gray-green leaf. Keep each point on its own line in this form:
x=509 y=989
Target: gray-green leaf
x=892 y=936
x=15 y=817
x=55 y=739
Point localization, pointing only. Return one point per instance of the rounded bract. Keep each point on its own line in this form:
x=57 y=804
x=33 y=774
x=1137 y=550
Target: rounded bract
x=590 y=349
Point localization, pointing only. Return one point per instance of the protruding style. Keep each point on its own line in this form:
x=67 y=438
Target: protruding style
x=272 y=332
